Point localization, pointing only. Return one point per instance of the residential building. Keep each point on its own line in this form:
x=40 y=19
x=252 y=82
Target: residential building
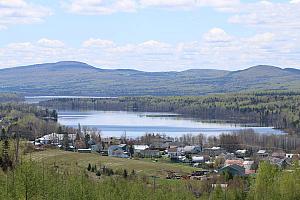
x=138 y=148
x=214 y=151
x=150 y=153
x=120 y=151
x=234 y=170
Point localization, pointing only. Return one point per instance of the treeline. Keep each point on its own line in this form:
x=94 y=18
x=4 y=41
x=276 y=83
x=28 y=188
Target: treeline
x=242 y=139
x=26 y=121
x=248 y=139
x=278 y=109
x=11 y=97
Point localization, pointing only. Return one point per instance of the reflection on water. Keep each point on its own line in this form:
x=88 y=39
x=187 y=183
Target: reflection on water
x=113 y=123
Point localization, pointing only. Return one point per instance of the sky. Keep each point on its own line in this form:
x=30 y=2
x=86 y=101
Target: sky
x=151 y=35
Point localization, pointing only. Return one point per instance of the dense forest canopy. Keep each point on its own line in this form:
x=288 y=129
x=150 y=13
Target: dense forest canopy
x=11 y=97
x=29 y=121
x=280 y=109
x=76 y=78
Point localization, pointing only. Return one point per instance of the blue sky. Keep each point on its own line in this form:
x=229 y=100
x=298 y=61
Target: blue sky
x=151 y=35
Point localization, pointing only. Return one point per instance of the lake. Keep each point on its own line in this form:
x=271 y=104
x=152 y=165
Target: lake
x=135 y=124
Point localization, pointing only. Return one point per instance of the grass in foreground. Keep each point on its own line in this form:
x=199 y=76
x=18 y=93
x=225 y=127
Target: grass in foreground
x=81 y=160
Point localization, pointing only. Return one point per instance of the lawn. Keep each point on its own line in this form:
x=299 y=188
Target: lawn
x=81 y=161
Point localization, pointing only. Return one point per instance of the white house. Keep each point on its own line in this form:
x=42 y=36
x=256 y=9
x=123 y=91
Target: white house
x=139 y=148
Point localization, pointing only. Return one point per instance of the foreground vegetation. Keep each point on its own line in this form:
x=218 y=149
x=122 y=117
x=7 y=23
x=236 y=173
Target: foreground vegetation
x=31 y=180
x=81 y=160
x=40 y=176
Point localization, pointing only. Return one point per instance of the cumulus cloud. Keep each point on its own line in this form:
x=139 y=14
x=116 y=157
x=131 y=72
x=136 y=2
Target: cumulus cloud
x=50 y=43
x=14 y=12
x=92 y=42
x=216 y=49
x=268 y=15
x=262 y=38
x=99 y=7
x=295 y=1
x=104 y=7
x=217 y=35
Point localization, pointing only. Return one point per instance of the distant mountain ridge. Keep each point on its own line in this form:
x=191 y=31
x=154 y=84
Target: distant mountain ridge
x=77 y=78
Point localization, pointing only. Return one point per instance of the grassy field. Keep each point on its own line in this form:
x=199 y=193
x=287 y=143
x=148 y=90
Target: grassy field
x=81 y=161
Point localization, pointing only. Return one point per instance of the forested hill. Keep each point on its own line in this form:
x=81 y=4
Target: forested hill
x=75 y=78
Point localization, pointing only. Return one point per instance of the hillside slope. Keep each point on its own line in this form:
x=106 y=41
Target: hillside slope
x=76 y=78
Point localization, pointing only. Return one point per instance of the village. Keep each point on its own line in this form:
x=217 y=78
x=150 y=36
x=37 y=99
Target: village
x=208 y=161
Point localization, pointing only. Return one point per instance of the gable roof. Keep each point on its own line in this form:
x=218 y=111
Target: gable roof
x=239 y=169
x=140 y=147
x=234 y=162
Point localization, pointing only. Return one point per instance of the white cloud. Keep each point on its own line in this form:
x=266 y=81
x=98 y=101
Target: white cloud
x=168 y=3
x=217 y=49
x=295 y=1
x=217 y=35
x=50 y=43
x=14 y=12
x=262 y=38
x=104 y=7
x=217 y=4
x=92 y=42
x=154 y=44
x=100 y=7
x=269 y=15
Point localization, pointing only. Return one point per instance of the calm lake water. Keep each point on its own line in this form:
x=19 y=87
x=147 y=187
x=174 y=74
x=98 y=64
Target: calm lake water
x=112 y=123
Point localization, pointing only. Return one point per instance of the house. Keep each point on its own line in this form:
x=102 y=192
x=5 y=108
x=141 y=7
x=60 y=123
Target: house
x=241 y=153
x=54 y=138
x=262 y=153
x=159 y=146
x=199 y=159
x=234 y=162
x=138 y=148
x=150 y=153
x=214 y=151
x=278 y=154
x=173 y=153
x=280 y=162
x=289 y=155
x=111 y=141
x=227 y=156
x=248 y=164
x=292 y=156
x=234 y=170
x=120 y=151
x=96 y=148
x=191 y=149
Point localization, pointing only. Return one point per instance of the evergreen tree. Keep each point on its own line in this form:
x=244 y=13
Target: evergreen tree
x=89 y=167
x=66 y=141
x=87 y=138
x=125 y=173
x=5 y=160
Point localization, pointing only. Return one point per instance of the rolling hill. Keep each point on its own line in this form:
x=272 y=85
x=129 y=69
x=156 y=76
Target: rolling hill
x=76 y=78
